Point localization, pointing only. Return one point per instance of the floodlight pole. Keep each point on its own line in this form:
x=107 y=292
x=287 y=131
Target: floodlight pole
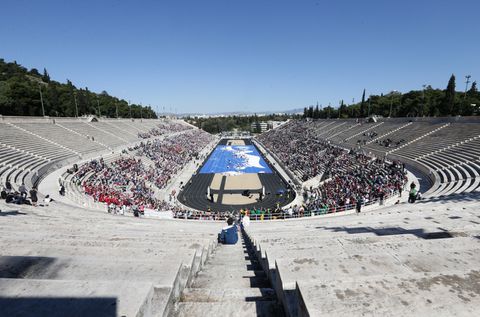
x=76 y=105
x=391 y=104
x=423 y=99
x=369 y=107
x=41 y=98
x=467 y=81
x=98 y=106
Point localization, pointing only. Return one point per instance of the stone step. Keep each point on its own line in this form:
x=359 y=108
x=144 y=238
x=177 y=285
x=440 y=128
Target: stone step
x=106 y=269
x=22 y=298
x=229 y=267
x=227 y=295
x=114 y=243
x=243 y=279
x=144 y=253
x=261 y=308
x=230 y=273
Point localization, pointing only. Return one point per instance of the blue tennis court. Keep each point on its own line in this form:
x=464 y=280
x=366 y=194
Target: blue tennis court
x=235 y=159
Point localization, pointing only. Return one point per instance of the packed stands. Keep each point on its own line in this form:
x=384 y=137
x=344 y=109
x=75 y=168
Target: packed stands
x=339 y=154
x=32 y=147
x=127 y=181
x=443 y=151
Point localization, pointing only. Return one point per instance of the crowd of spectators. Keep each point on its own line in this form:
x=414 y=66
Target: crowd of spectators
x=367 y=136
x=129 y=182
x=297 y=146
x=170 y=154
x=122 y=182
x=389 y=142
x=202 y=215
x=164 y=128
x=21 y=195
x=355 y=177
x=347 y=176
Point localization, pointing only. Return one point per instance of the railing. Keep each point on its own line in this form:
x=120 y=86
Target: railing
x=279 y=215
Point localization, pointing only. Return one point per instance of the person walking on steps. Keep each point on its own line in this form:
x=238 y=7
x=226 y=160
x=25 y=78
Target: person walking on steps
x=412 y=196
x=33 y=196
x=358 y=206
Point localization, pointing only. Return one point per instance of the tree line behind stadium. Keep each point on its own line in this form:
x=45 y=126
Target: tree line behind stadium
x=22 y=92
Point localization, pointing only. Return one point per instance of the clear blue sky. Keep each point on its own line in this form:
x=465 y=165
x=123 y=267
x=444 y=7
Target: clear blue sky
x=251 y=55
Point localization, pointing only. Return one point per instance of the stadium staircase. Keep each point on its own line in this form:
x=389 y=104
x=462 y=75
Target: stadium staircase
x=108 y=132
x=133 y=127
x=343 y=131
x=325 y=132
x=232 y=283
x=419 y=138
x=388 y=133
x=126 y=134
x=363 y=131
x=45 y=139
x=453 y=146
x=83 y=136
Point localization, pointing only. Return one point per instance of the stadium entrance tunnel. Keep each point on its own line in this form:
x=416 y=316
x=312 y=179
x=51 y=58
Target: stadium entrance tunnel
x=236 y=176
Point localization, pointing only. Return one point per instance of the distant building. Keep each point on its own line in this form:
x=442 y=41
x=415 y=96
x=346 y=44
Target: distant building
x=274 y=124
x=259 y=127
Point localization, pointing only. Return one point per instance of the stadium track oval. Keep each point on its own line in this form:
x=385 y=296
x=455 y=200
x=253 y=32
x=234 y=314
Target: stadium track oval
x=194 y=193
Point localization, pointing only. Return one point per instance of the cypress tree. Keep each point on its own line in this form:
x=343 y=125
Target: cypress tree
x=449 y=100
x=310 y=112
x=362 y=105
x=46 y=76
x=316 y=113
x=473 y=90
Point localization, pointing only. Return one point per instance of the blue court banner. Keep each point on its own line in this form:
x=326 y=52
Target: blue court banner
x=235 y=160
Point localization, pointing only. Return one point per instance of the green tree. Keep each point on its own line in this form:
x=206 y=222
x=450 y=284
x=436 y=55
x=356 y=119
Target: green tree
x=473 y=90
x=362 y=105
x=46 y=76
x=448 y=104
x=310 y=112
x=19 y=95
x=316 y=113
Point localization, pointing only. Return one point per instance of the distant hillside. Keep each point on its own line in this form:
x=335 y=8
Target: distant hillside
x=20 y=96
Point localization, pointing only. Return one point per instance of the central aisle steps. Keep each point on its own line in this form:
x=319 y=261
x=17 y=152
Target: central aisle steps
x=232 y=283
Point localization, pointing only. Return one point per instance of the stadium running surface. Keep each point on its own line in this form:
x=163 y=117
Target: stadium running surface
x=234 y=176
